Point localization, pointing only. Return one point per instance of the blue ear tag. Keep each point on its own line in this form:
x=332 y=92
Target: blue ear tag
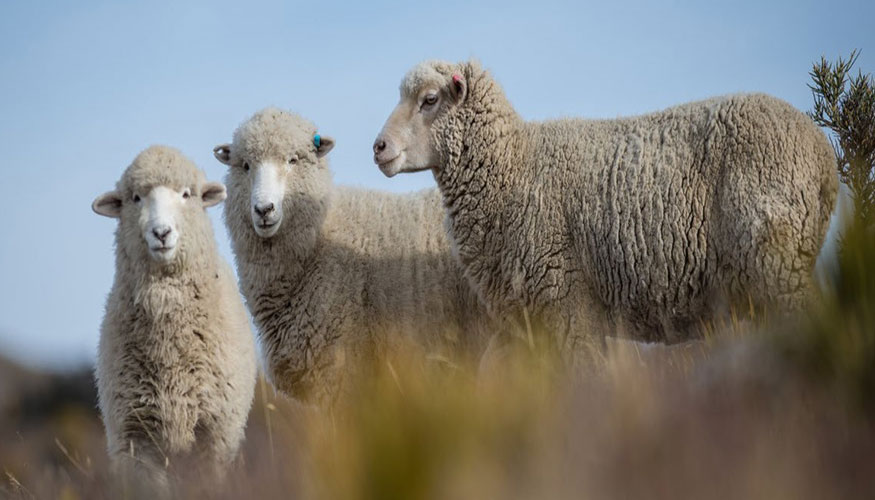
x=317 y=140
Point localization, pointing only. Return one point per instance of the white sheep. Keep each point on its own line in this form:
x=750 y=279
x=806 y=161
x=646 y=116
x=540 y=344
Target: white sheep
x=644 y=224
x=330 y=274
x=176 y=364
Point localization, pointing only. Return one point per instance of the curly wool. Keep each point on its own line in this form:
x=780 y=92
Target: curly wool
x=645 y=222
x=176 y=363
x=348 y=270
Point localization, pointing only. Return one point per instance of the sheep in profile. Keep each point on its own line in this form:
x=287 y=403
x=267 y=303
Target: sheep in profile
x=176 y=362
x=649 y=222
x=330 y=274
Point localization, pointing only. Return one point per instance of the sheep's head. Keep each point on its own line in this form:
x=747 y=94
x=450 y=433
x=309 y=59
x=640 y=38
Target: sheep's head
x=157 y=201
x=276 y=159
x=429 y=92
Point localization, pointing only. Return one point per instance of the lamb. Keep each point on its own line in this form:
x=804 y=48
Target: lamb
x=176 y=363
x=333 y=275
x=642 y=226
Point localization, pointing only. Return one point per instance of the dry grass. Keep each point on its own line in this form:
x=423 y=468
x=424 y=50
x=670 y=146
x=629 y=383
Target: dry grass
x=692 y=421
x=785 y=410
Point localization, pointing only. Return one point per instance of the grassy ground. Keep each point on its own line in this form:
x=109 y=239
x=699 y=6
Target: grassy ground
x=696 y=421
x=785 y=410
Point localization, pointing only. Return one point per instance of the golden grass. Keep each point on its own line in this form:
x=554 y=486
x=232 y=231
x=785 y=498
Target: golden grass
x=783 y=412
x=655 y=422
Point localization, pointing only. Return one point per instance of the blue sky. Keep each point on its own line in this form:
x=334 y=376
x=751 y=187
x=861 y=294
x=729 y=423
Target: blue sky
x=85 y=86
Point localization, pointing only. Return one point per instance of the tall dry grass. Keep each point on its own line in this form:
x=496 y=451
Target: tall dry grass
x=738 y=416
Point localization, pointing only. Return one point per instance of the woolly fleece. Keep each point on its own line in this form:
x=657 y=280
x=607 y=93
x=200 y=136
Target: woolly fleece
x=644 y=223
x=348 y=270
x=176 y=363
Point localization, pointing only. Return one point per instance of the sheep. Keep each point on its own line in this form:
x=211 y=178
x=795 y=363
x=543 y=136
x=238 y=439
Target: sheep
x=176 y=359
x=639 y=226
x=331 y=275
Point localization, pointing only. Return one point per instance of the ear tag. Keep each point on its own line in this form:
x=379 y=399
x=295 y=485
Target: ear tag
x=457 y=78
x=317 y=141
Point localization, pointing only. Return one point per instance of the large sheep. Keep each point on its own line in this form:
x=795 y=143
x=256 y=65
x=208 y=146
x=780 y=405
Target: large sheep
x=330 y=273
x=645 y=222
x=176 y=363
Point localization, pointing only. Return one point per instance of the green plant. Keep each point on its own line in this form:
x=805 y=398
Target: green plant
x=846 y=105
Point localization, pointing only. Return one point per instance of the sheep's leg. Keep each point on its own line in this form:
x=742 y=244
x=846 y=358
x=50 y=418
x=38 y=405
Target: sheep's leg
x=573 y=329
x=495 y=354
x=773 y=259
x=138 y=473
x=584 y=345
x=215 y=451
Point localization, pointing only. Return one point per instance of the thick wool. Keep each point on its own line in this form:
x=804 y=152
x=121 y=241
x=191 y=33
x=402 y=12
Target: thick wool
x=176 y=363
x=644 y=223
x=348 y=271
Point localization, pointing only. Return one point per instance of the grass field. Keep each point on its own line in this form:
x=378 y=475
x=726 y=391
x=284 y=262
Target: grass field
x=779 y=409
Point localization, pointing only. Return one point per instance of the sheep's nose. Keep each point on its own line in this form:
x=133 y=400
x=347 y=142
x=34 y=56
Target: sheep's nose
x=379 y=145
x=263 y=209
x=161 y=232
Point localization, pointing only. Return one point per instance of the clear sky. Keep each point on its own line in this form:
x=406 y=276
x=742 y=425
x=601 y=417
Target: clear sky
x=85 y=86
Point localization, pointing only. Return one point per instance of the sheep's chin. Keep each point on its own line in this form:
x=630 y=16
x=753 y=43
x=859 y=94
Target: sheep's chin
x=266 y=232
x=399 y=165
x=394 y=166
x=163 y=255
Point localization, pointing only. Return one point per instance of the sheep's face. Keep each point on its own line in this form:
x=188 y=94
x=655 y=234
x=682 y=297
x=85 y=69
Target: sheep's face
x=407 y=142
x=274 y=159
x=267 y=191
x=156 y=206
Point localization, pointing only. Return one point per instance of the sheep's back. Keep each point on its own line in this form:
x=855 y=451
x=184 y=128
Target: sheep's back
x=643 y=213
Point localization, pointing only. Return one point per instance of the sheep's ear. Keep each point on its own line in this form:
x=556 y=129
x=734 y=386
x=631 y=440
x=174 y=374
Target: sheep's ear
x=222 y=152
x=213 y=193
x=326 y=144
x=459 y=86
x=108 y=204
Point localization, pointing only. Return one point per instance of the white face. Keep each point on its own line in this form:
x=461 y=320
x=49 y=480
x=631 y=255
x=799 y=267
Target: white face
x=158 y=213
x=405 y=143
x=266 y=199
x=270 y=167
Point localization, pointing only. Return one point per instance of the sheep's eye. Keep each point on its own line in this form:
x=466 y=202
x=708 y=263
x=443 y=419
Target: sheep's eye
x=186 y=194
x=430 y=100
x=136 y=198
x=246 y=166
x=293 y=160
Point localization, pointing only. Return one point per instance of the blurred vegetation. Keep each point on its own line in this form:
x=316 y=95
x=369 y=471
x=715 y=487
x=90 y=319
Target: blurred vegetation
x=655 y=422
x=837 y=344
x=785 y=414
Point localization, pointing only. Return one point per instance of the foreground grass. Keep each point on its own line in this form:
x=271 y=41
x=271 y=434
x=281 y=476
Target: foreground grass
x=693 y=421
x=784 y=410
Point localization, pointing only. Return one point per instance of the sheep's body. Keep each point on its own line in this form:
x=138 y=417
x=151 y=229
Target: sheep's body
x=348 y=271
x=176 y=363
x=646 y=221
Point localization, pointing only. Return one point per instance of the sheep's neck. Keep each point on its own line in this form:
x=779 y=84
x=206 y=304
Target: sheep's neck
x=486 y=189
x=161 y=291
x=285 y=257
x=477 y=162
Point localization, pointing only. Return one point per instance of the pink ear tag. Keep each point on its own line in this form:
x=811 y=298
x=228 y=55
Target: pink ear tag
x=457 y=78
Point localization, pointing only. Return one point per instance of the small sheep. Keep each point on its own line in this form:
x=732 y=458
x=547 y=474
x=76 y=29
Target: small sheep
x=176 y=363
x=330 y=274
x=646 y=222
